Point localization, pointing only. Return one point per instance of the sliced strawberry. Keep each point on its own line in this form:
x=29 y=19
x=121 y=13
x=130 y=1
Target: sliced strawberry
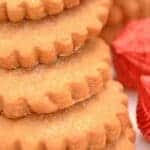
x=143 y=107
x=132 y=52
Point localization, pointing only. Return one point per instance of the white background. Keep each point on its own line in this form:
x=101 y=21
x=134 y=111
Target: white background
x=141 y=144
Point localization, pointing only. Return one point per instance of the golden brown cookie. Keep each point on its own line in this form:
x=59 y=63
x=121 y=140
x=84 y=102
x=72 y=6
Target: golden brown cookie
x=90 y=125
x=29 y=43
x=121 y=12
x=17 y=10
x=109 y=33
x=48 y=89
x=124 y=142
x=125 y=10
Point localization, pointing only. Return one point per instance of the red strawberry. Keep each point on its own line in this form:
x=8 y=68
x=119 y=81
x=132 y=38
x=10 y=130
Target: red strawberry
x=132 y=52
x=143 y=108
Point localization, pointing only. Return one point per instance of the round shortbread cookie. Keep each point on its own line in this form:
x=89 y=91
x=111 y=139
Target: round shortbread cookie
x=110 y=33
x=121 y=13
x=48 y=89
x=30 y=43
x=90 y=125
x=125 y=142
x=18 y=10
x=125 y=10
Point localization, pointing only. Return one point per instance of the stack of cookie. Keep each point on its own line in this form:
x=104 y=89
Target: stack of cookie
x=56 y=90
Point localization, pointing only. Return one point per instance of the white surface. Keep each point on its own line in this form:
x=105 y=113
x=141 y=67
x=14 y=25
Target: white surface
x=141 y=144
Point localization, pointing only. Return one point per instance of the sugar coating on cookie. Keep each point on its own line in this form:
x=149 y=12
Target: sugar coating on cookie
x=48 y=89
x=18 y=10
x=92 y=124
x=30 y=43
